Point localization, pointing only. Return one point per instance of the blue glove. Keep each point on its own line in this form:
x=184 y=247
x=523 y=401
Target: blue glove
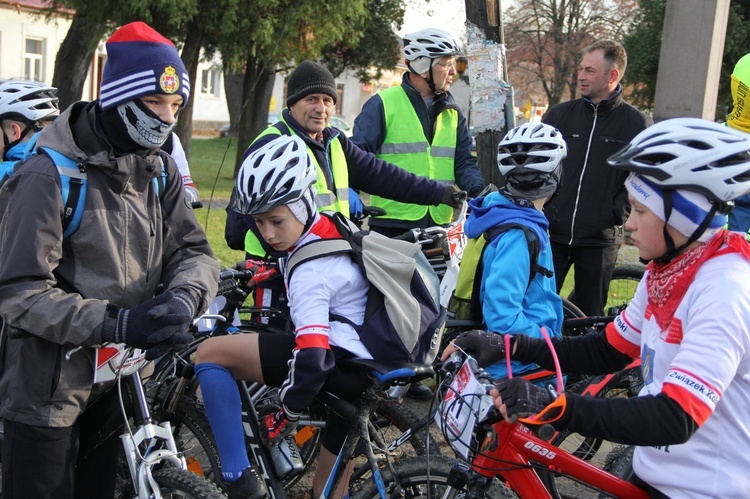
x=356 y=207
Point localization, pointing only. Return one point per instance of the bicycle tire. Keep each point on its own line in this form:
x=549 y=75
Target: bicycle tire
x=619 y=462
x=194 y=438
x=570 y=310
x=622 y=286
x=174 y=482
x=421 y=478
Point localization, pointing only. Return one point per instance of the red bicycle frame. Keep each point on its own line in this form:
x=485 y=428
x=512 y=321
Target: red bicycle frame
x=509 y=449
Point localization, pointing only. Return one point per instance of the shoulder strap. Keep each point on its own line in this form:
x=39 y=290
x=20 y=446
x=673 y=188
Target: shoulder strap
x=160 y=180
x=533 y=246
x=316 y=249
x=73 y=184
x=531 y=241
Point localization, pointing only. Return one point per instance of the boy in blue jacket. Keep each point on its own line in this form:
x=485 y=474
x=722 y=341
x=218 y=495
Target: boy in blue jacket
x=519 y=296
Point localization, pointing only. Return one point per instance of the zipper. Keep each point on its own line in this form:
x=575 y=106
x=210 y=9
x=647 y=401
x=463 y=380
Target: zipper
x=580 y=179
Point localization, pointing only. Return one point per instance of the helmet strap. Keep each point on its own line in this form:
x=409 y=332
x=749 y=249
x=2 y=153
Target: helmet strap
x=672 y=252
x=429 y=81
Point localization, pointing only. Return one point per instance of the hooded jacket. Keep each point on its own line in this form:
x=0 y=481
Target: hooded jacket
x=592 y=199
x=510 y=305
x=129 y=242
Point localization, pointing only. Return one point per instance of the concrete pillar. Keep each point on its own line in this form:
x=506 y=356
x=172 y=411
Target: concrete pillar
x=690 y=60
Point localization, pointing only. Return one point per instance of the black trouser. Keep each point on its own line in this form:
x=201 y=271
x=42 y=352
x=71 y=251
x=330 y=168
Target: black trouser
x=62 y=463
x=593 y=271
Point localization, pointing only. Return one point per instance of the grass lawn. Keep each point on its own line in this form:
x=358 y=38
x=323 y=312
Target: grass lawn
x=212 y=166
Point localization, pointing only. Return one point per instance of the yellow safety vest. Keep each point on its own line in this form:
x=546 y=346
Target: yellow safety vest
x=325 y=199
x=405 y=145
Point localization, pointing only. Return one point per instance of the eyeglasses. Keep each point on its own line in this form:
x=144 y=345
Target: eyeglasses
x=447 y=65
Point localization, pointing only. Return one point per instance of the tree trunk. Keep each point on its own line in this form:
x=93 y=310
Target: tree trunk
x=257 y=88
x=190 y=57
x=233 y=84
x=74 y=57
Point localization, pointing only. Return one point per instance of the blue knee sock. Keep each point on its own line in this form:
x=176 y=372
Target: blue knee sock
x=223 y=407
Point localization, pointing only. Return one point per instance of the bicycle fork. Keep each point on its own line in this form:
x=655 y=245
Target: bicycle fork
x=160 y=443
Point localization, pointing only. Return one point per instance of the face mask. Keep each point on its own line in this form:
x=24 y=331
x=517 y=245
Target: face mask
x=142 y=125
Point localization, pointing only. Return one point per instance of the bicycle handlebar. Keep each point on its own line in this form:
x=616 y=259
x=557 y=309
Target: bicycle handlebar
x=593 y=321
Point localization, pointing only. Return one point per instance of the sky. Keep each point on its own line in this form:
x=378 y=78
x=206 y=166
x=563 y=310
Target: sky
x=449 y=15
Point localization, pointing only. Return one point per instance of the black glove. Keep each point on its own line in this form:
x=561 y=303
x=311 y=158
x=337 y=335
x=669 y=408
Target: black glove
x=487 y=348
x=452 y=196
x=275 y=426
x=522 y=399
x=157 y=325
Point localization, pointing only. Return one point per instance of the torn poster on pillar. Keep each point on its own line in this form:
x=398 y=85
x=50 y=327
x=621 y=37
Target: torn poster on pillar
x=488 y=89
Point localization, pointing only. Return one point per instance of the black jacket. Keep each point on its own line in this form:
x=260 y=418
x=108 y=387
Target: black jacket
x=592 y=199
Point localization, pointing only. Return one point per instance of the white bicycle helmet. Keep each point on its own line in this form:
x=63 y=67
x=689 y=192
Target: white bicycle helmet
x=28 y=101
x=530 y=158
x=278 y=173
x=693 y=154
x=433 y=43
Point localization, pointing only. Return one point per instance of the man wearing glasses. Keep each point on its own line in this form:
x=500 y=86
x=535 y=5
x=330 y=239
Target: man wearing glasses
x=419 y=127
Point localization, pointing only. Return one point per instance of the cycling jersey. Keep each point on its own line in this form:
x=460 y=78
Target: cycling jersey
x=702 y=361
x=320 y=287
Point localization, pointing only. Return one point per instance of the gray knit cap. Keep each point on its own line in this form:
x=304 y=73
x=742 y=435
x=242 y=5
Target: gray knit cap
x=310 y=78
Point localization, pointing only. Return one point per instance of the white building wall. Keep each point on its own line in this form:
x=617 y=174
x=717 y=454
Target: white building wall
x=16 y=26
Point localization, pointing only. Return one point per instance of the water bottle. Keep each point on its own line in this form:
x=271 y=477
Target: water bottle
x=286 y=458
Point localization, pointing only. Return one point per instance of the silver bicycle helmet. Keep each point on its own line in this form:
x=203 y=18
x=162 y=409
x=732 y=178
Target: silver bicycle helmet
x=530 y=158
x=278 y=173
x=693 y=154
x=433 y=43
x=27 y=101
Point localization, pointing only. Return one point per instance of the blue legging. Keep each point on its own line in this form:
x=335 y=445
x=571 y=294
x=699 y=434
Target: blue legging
x=224 y=409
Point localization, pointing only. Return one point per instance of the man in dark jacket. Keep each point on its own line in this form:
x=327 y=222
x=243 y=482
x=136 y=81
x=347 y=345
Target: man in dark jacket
x=587 y=214
x=76 y=292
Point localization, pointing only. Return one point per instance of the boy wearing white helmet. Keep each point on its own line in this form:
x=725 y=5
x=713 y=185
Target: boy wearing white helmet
x=25 y=106
x=688 y=322
x=275 y=187
x=530 y=158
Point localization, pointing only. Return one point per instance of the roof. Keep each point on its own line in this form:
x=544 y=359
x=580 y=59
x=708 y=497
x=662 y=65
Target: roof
x=30 y=5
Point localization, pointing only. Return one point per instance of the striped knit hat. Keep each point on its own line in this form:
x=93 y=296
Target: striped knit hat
x=141 y=62
x=689 y=208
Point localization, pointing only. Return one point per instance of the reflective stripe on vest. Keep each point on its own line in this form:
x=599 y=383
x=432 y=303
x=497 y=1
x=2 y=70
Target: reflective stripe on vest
x=325 y=199
x=406 y=146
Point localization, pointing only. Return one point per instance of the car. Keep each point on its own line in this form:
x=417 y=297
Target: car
x=342 y=125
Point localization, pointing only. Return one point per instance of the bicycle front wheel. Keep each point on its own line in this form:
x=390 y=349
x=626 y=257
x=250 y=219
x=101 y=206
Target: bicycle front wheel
x=622 y=286
x=174 y=483
x=422 y=477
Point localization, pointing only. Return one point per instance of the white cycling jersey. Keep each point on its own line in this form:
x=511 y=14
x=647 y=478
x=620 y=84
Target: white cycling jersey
x=702 y=361
x=180 y=159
